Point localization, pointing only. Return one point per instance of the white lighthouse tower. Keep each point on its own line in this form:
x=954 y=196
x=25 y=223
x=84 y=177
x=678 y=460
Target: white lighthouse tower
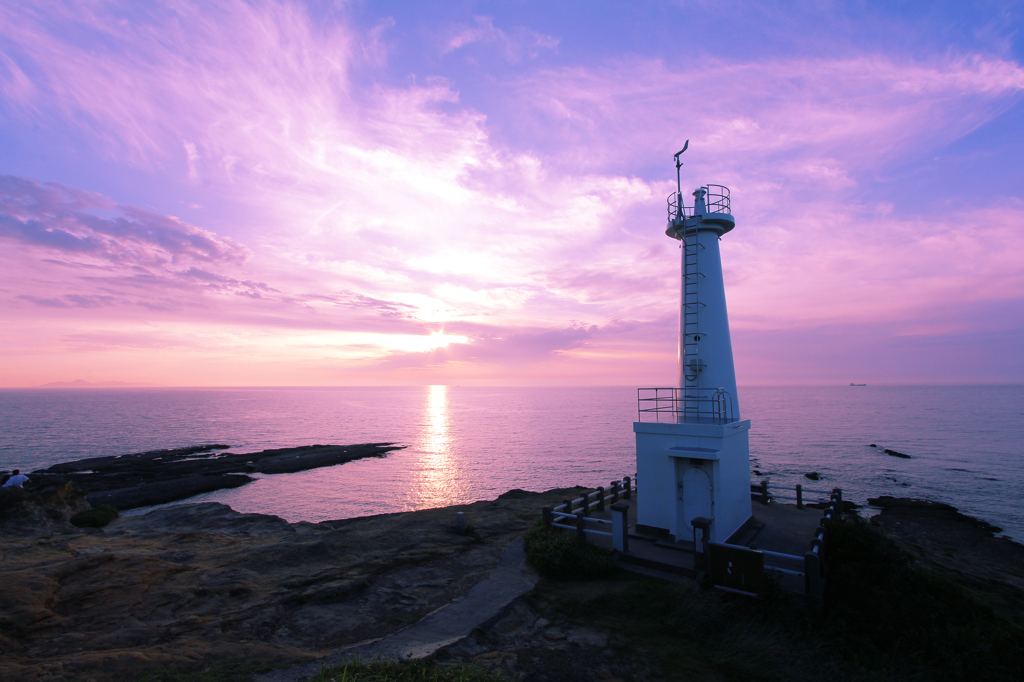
x=692 y=452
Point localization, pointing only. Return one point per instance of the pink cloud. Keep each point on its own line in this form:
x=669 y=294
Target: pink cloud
x=71 y=222
x=391 y=208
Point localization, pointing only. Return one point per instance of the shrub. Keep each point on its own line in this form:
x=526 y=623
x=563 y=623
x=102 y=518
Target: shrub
x=563 y=556
x=97 y=517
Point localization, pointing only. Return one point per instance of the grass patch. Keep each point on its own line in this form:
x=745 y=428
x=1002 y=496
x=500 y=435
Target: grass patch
x=404 y=671
x=683 y=632
x=885 y=619
x=97 y=517
x=563 y=556
x=889 y=609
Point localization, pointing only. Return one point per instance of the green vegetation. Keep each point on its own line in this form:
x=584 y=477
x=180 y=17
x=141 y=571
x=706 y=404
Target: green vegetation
x=563 y=556
x=678 y=631
x=406 y=671
x=884 y=619
x=97 y=517
x=893 y=610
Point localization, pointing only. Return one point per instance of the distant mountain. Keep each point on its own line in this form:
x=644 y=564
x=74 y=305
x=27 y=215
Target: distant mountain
x=81 y=383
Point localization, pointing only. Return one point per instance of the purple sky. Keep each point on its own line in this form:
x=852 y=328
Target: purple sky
x=284 y=193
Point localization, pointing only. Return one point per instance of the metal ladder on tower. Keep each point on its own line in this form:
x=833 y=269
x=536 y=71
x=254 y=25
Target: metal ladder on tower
x=691 y=247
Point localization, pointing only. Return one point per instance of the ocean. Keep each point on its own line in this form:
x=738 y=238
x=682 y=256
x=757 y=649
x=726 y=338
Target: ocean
x=473 y=443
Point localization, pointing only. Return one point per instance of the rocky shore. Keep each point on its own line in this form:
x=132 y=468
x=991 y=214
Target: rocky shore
x=200 y=587
x=143 y=479
x=942 y=539
x=199 y=584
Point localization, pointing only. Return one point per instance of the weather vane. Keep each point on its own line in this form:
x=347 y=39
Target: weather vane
x=679 y=185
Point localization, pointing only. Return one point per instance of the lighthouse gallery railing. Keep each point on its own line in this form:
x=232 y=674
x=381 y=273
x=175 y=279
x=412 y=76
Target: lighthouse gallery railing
x=675 y=405
x=716 y=199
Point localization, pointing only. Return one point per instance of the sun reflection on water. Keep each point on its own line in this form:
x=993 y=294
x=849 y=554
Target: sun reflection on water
x=441 y=480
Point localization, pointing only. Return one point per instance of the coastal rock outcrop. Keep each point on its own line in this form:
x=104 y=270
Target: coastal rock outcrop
x=159 y=476
x=196 y=584
x=943 y=539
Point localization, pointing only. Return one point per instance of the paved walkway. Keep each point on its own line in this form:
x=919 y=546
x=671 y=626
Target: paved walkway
x=784 y=528
x=443 y=627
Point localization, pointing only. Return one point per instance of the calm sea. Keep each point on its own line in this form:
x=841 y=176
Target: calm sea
x=468 y=444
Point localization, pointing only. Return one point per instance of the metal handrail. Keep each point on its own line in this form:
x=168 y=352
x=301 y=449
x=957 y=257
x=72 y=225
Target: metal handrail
x=700 y=405
x=623 y=488
x=716 y=199
x=628 y=488
x=806 y=490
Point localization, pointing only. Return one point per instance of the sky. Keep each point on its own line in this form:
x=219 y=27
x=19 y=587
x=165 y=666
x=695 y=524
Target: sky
x=401 y=193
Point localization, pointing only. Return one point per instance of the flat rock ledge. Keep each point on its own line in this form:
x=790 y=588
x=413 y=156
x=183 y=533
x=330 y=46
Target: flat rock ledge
x=143 y=479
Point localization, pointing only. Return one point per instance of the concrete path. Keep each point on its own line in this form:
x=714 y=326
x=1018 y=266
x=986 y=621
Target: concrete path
x=785 y=528
x=443 y=627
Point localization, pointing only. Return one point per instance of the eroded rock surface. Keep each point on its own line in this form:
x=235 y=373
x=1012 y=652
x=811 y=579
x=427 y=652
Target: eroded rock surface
x=156 y=477
x=191 y=584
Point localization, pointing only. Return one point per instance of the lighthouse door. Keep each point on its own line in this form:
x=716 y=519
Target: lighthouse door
x=694 y=500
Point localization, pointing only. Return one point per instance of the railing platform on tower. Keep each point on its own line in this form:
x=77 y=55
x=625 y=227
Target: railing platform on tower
x=685 y=405
x=716 y=200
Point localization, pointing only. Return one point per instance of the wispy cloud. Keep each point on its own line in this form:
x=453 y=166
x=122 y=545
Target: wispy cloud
x=363 y=206
x=515 y=45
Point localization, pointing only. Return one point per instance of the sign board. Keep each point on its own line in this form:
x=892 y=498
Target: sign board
x=737 y=569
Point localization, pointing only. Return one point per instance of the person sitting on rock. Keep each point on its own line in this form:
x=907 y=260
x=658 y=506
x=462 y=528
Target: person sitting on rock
x=16 y=480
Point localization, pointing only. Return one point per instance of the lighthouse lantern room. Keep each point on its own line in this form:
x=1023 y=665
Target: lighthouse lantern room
x=692 y=452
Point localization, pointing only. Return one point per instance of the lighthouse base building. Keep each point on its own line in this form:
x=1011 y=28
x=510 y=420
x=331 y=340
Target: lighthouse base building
x=693 y=471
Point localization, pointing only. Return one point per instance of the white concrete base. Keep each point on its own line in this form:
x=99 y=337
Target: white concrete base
x=689 y=470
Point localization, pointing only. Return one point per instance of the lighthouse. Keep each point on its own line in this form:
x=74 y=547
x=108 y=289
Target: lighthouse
x=692 y=448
